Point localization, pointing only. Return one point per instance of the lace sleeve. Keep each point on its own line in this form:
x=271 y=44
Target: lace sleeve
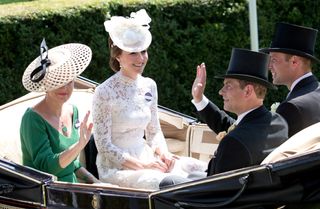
x=154 y=135
x=102 y=121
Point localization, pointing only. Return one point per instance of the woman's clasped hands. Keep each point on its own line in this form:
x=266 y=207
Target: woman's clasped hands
x=164 y=163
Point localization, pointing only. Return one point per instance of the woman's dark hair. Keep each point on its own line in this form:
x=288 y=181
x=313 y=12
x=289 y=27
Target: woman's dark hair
x=114 y=53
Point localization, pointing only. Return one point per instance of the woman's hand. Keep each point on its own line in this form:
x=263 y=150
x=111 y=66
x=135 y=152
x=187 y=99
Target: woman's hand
x=157 y=165
x=72 y=152
x=199 y=83
x=169 y=159
x=85 y=130
x=83 y=174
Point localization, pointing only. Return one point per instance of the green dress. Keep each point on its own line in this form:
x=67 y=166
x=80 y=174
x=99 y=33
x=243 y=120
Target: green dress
x=42 y=144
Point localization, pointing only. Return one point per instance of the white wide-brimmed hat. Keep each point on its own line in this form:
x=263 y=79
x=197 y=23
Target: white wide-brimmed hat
x=132 y=33
x=62 y=65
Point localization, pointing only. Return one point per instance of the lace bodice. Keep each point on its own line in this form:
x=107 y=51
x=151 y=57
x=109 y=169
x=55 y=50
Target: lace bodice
x=124 y=111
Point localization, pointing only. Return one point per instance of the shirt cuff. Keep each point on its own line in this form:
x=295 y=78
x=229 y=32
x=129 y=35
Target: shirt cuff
x=202 y=104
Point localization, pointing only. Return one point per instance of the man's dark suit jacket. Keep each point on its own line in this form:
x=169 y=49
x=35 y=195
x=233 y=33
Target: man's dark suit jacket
x=302 y=108
x=257 y=134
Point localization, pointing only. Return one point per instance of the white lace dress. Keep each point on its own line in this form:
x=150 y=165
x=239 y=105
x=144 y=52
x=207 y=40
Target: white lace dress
x=124 y=111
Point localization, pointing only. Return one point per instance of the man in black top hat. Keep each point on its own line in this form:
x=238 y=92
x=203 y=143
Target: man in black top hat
x=257 y=131
x=291 y=55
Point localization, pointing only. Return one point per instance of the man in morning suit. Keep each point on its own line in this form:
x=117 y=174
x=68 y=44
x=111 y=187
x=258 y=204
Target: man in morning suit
x=257 y=131
x=291 y=56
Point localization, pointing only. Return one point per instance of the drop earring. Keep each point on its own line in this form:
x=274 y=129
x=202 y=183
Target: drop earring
x=121 y=68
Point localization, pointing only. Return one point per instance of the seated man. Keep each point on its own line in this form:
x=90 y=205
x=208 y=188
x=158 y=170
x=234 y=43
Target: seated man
x=291 y=59
x=257 y=131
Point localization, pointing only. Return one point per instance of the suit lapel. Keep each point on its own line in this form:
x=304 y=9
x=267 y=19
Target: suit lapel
x=305 y=86
x=253 y=114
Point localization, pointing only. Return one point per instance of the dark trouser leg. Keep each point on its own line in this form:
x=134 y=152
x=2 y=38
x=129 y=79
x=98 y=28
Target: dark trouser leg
x=172 y=180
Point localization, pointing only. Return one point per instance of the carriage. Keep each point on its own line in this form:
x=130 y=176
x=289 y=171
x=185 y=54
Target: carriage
x=294 y=180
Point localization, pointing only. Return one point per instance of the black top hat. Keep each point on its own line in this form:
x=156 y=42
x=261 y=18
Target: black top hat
x=294 y=39
x=250 y=66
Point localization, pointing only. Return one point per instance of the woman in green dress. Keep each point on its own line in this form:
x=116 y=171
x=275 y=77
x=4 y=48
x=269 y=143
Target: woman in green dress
x=51 y=135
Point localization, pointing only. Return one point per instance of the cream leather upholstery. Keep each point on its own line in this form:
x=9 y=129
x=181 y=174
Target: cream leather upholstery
x=304 y=141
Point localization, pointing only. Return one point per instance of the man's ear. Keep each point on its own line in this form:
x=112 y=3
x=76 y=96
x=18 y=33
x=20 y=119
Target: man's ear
x=249 y=89
x=295 y=61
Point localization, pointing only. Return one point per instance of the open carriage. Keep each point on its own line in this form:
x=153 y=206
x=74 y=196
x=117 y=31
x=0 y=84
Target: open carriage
x=290 y=181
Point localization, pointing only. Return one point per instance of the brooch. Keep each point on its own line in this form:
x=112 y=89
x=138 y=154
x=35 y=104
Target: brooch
x=77 y=124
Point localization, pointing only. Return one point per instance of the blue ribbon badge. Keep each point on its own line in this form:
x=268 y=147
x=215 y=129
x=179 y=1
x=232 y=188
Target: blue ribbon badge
x=148 y=96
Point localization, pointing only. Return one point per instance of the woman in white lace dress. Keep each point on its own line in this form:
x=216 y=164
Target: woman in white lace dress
x=132 y=151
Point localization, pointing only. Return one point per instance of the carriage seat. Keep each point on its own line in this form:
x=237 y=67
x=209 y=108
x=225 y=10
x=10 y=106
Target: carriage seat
x=304 y=141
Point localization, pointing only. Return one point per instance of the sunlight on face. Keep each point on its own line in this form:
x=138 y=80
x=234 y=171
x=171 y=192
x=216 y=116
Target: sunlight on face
x=279 y=67
x=133 y=63
x=232 y=95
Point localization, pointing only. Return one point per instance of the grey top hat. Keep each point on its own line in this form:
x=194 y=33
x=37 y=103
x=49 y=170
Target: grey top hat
x=294 y=39
x=249 y=66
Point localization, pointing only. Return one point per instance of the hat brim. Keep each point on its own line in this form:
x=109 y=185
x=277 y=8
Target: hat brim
x=290 y=51
x=67 y=62
x=248 y=78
